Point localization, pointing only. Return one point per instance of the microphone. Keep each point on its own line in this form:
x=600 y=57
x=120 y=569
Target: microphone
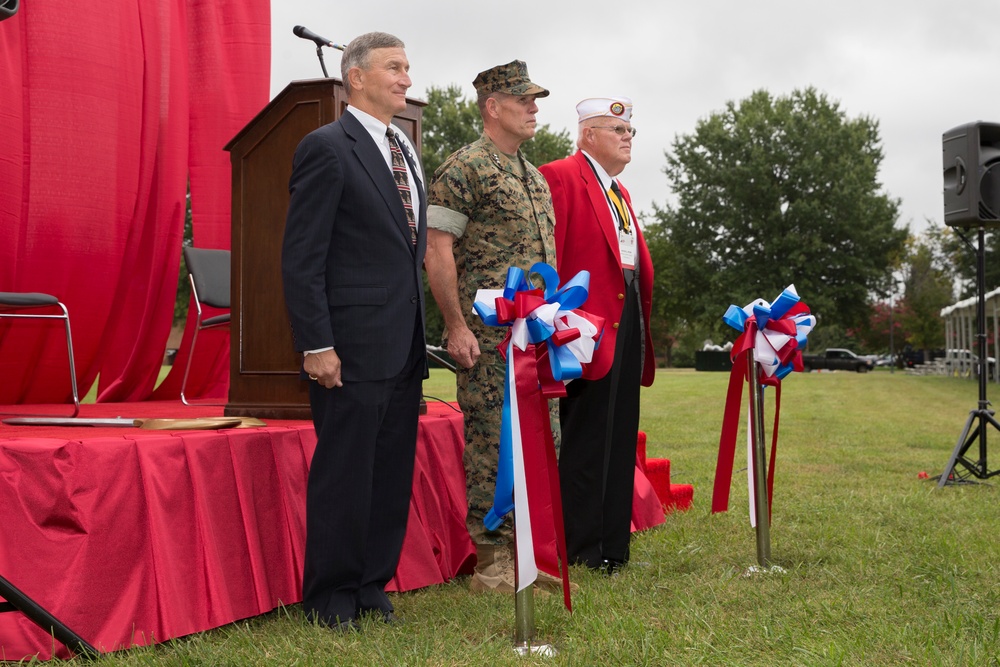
x=306 y=33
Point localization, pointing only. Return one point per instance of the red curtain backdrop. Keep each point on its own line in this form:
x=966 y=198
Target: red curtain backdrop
x=107 y=112
x=225 y=47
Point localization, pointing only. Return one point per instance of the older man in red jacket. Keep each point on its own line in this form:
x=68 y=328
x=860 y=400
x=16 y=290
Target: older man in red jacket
x=597 y=230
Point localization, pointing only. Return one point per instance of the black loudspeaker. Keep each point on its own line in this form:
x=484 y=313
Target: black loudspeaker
x=972 y=175
x=7 y=9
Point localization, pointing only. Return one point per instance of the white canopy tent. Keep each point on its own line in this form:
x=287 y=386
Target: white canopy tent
x=960 y=334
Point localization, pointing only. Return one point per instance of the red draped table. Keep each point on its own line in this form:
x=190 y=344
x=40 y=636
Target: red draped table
x=132 y=536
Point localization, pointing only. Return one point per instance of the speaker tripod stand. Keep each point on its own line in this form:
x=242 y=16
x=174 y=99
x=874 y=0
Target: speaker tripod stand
x=980 y=419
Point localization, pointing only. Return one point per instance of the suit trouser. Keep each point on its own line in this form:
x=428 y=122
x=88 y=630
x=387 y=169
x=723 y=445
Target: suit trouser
x=600 y=423
x=358 y=493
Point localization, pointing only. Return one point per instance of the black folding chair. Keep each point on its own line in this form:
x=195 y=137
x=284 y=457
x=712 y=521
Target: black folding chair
x=210 y=280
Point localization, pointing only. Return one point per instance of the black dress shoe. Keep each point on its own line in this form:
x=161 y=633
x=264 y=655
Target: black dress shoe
x=387 y=617
x=390 y=618
x=346 y=626
x=334 y=624
x=611 y=566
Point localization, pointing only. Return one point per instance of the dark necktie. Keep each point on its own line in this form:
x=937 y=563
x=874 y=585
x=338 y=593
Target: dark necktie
x=402 y=182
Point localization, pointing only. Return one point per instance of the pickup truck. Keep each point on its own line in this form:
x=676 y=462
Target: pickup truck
x=836 y=359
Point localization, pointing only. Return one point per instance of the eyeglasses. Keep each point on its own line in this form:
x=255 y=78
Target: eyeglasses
x=617 y=129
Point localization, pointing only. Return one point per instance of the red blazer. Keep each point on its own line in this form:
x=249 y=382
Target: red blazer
x=586 y=239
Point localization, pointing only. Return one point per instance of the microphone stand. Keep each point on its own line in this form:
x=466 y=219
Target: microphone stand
x=319 y=54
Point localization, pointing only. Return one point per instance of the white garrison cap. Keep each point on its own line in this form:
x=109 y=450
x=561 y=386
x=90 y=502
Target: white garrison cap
x=613 y=107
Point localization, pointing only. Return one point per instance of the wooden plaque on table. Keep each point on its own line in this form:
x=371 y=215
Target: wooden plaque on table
x=264 y=366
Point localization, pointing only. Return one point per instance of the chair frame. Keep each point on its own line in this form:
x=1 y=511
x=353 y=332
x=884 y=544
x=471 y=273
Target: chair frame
x=210 y=323
x=20 y=301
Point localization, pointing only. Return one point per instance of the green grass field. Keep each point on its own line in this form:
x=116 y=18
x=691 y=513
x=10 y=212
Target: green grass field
x=881 y=567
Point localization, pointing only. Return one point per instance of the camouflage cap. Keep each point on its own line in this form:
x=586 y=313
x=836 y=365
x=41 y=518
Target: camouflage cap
x=511 y=78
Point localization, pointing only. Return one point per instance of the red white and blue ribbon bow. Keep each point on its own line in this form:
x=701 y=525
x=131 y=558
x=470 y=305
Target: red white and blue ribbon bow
x=776 y=332
x=548 y=344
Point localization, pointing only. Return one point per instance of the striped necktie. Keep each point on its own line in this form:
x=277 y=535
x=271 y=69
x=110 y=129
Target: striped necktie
x=615 y=195
x=402 y=182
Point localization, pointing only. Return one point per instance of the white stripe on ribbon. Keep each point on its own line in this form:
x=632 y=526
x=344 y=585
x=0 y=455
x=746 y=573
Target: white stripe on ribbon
x=527 y=569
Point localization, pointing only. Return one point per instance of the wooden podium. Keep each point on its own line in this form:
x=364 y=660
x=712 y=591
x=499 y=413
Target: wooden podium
x=264 y=366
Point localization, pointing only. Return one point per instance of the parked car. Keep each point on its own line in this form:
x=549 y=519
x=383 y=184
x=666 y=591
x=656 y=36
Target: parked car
x=836 y=358
x=912 y=358
x=883 y=360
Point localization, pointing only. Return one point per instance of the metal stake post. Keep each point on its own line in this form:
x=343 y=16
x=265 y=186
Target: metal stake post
x=761 y=511
x=524 y=617
x=524 y=630
x=524 y=620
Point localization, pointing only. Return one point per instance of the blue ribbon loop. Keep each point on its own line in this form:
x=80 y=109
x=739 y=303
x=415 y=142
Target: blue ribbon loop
x=762 y=314
x=735 y=317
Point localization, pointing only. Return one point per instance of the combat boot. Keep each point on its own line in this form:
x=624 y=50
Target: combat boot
x=494 y=569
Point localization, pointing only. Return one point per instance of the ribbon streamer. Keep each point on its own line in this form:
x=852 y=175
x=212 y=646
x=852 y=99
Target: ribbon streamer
x=549 y=343
x=776 y=333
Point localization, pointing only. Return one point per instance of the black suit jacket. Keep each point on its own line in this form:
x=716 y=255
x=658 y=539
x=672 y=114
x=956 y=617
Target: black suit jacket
x=352 y=277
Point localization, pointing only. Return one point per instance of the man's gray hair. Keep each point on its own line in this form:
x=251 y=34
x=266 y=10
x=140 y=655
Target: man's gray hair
x=584 y=124
x=481 y=101
x=482 y=97
x=358 y=52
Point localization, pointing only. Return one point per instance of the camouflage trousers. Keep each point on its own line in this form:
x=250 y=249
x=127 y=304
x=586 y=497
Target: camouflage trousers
x=480 y=395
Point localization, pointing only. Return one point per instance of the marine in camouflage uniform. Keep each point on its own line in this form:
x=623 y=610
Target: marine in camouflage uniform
x=489 y=209
x=510 y=223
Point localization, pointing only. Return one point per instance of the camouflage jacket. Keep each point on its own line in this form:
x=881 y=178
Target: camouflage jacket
x=510 y=222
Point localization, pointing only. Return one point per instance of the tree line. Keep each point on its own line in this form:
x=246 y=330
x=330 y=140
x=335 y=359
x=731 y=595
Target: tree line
x=767 y=192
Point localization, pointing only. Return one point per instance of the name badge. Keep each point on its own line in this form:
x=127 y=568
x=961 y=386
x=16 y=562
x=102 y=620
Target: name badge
x=627 y=248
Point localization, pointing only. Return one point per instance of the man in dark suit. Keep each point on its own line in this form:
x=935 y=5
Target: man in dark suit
x=596 y=230
x=354 y=245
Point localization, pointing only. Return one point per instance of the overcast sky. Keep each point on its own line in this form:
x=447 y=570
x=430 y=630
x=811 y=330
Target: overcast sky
x=918 y=67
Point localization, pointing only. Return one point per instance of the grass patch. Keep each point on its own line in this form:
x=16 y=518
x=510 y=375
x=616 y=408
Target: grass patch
x=882 y=569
